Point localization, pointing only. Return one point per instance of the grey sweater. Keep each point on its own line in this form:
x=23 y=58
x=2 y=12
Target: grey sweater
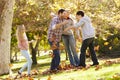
x=87 y=29
x=69 y=24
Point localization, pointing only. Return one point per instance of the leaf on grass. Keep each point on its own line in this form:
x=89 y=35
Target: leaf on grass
x=49 y=78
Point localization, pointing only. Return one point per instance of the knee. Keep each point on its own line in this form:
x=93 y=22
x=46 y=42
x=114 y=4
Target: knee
x=30 y=61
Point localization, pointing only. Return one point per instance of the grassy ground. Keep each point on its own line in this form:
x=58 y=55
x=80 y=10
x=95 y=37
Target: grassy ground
x=105 y=73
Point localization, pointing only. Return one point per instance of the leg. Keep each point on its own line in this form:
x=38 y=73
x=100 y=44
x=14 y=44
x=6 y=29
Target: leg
x=56 y=59
x=67 y=47
x=92 y=52
x=83 y=52
x=73 y=49
x=29 y=61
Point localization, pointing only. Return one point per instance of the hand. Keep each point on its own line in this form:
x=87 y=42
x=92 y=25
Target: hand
x=65 y=22
x=31 y=41
x=66 y=29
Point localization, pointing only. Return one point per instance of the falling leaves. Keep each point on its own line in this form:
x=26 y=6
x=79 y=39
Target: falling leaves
x=96 y=48
x=77 y=50
x=54 y=46
x=61 y=47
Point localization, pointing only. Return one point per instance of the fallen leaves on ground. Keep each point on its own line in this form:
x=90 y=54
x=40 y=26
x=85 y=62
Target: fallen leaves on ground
x=116 y=76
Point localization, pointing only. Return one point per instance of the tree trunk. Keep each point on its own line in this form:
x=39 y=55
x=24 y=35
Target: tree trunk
x=34 y=51
x=34 y=56
x=6 y=16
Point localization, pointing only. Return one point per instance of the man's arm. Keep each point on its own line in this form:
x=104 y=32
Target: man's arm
x=61 y=24
x=56 y=25
x=79 y=24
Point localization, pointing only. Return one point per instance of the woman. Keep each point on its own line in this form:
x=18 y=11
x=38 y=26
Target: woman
x=69 y=41
x=23 y=46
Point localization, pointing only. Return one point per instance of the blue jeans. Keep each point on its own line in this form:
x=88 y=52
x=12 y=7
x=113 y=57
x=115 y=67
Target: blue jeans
x=56 y=59
x=69 y=43
x=28 y=65
x=88 y=43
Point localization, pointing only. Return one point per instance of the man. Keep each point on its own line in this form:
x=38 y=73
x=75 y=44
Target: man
x=88 y=35
x=54 y=37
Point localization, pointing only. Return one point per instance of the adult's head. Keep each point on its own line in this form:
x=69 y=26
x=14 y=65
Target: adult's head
x=66 y=14
x=79 y=15
x=60 y=13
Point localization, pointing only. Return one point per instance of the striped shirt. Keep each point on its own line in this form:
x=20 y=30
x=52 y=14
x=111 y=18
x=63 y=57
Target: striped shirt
x=55 y=33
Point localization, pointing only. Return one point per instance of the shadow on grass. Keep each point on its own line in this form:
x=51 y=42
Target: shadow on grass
x=43 y=57
x=41 y=65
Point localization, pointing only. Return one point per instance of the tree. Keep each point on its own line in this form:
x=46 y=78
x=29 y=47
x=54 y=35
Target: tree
x=6 y=16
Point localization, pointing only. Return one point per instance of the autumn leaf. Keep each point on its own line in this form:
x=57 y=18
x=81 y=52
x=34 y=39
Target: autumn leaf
x=96 y=48
x=77 y=50
x=30 y=78
x=110 y=47
x=61 y=48
x=106 y=43
x=35 y=72
x=10 y=65
x=49 y=78
x=53 y=47
x=97 y=67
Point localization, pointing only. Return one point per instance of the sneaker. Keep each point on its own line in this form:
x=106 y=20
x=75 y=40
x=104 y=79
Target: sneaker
x=19 y=73
x=29 y=75
x=94 y=64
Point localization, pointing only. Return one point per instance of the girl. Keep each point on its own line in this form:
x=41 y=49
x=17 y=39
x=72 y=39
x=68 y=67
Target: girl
x=23 y=46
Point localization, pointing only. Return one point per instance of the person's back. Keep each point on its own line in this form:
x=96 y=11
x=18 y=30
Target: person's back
x=87 y=28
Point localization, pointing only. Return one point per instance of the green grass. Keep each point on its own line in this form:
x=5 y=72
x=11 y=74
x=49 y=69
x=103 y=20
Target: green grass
x=105 y=73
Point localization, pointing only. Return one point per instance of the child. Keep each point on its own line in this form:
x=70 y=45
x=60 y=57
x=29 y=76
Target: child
x=23 y=46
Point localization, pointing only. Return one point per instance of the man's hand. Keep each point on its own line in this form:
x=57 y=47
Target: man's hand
x=61 y=24
x=65 y=22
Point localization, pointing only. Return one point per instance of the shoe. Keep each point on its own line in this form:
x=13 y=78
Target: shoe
x=29 y=75
x=94 y=64
x=80 y=67
x=19 y=73
x=46 y=72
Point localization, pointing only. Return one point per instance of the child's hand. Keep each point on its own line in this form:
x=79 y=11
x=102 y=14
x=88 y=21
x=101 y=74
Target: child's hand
x=31 y=41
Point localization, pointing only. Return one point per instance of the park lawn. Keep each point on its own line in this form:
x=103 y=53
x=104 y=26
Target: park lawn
x=105 y=73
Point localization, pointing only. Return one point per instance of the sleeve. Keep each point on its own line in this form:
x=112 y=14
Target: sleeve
x=53 y=23
x=72 y=23
x=79 y=24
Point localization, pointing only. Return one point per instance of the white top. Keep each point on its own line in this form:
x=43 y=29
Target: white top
x=87 y=29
